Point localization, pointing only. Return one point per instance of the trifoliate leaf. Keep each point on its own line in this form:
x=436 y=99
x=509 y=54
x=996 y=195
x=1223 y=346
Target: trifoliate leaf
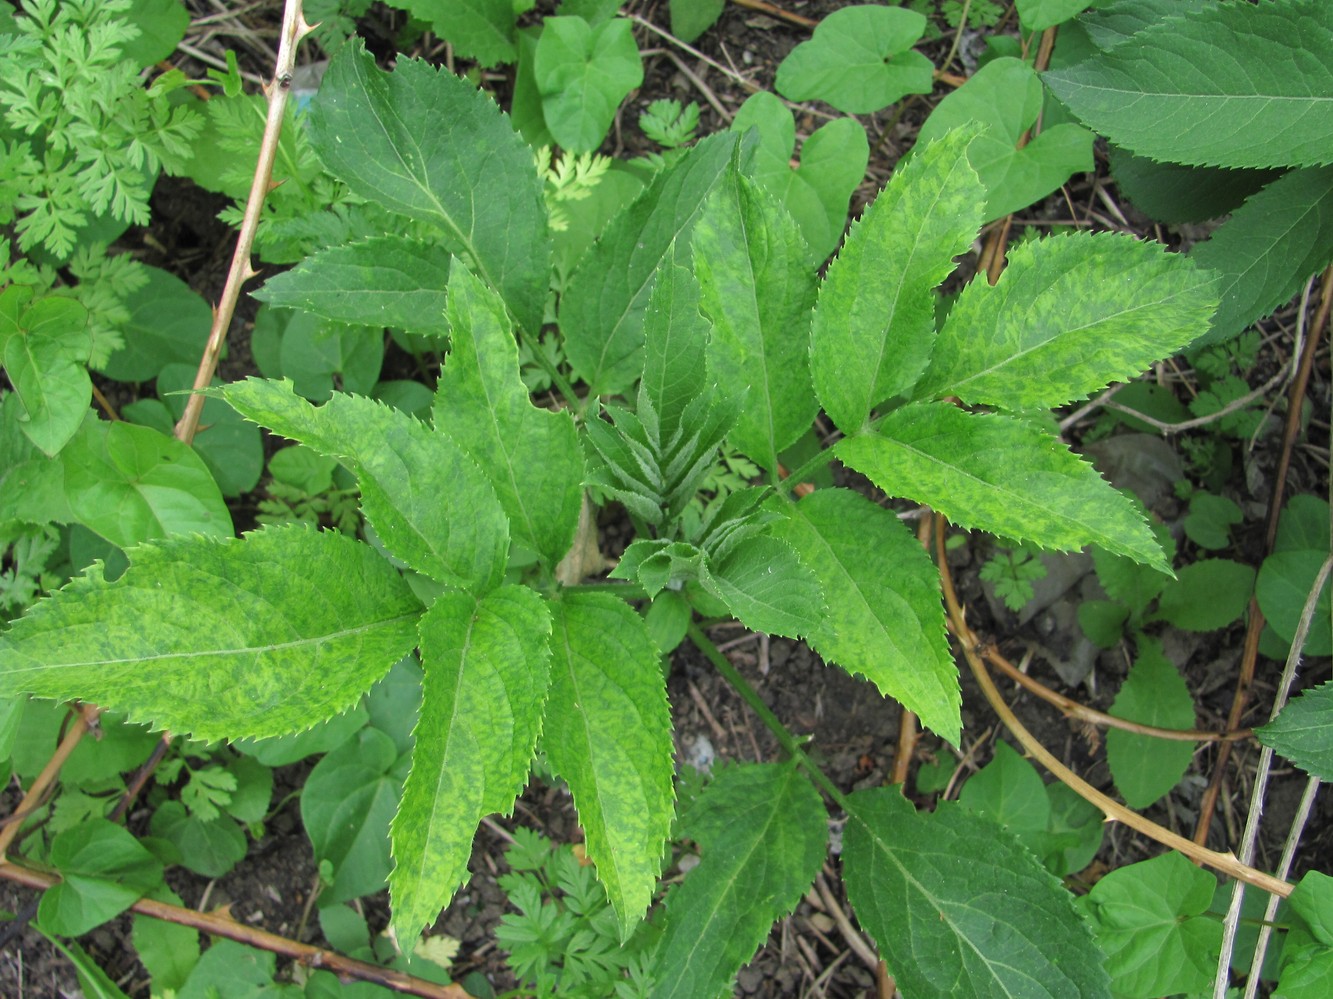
x=1145 y=768
x=582 y=74
x=44 y=347
x=220 y=639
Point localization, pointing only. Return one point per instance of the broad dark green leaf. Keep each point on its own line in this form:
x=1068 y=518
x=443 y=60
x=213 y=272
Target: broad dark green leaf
x=132 y=484
x=958 y=908
x=1239 y=85
x=602 y=311
x=1206 y=595
x=466 y=172
x=103 y=871
x=1303 y=732
x=758 y=290
x=1006 y=97
x=691 y=18
x=1170 y=192
x=487 y=672
x=232 y=449
x=884 y=618
x=1008 y=791
x=478 y=29
x=1150 y=919
x=168 y=951
x=859 y=59
x=1036 y=15
x=1113 y=21
x=212 y=849
x=220 y=638
x=1002 y=475
x=1145 y=768
x=1069 y=315
x=583 y=73
x=44 y=348
x=168 y=323
x=607 y=732
x=530 y=456
x=1269 y=247
x=428 y=501
x=875 y=319
x=761 y=832
x=385 y=281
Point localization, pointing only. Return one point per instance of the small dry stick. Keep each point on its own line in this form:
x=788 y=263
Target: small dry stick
x=84 y=718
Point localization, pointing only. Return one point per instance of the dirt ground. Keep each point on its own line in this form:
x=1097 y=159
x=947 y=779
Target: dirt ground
x=853 y=731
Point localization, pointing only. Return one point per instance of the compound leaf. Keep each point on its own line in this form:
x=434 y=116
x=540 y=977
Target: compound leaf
x=582 y=74
x=1144 y=767
x=764 y=583
x=608 y=734
x=1238 y=85
x=428 y=501
x=999 y=474
x=758 y=290
x=384 y=281
x=957 y=907
x=1068 y=316
x=602 y=310
x=884 y=619
x=1303 y=732
x=530 y=456
x=44 y=348
x=1150 y=919
x=875 y=319
x=468 y=173
x=220 y=639
x=487 y=670
x=859 y=59
x=675 y=369
x=761 y=832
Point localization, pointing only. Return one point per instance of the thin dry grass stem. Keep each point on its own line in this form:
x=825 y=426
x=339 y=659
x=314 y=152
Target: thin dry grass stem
x=778 y=12
x=1264 y=771
x=1113 y=810
x=294 y=28
x=849 y=932
x=1082 y=713
x=698 y=82
x=314 y=958
x=1250 y=654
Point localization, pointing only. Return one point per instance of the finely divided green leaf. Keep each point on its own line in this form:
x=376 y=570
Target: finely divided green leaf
x=530 y=456
x=761 y=831
x=1146 y=768
x=1268 y=248
x=467 y=171
x=884 y=619
x=602 y=311
x=1303 y=732
x=1006 y=96
x=1150 y=919
x=220 y=639
x=487 y=671
x=875 y=320
x=1069 y=315
x=1002 y=475
x=582 y=74
x=758 y=290
x=958 y=908
x=1233 y=84
x=860 y=60
x=608 y=734
x=427 y=500
x=384 y=281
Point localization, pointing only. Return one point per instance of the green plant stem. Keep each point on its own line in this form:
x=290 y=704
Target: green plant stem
x=802 y=474
x=630 y=591
x=751 y=697
x=553 y=372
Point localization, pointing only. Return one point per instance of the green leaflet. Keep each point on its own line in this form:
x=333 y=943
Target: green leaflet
x=958 y=908
x=766 y=586
x=530 y=456
x=428 y=501
x=602 y=310
x=583 y=73
x=1150 y=920
x=875 y=320
x=220 y=639
x=816 y=193
x=859 y=59
x=884 y=619
x=999 y=474
x=487 y=671
x=762 y=832
x=1069 y=315
x=1154 y=693
x=468 y=173
x=168 y=323
x=384 y=281
x=1232 y=84
x=478 y=29
x=758 y=290
x=1303 y=731
x=44 y=348
x=675 y=370
x=1006 y=97
x=1170 y=192
x=1036 y=15
x=1268 y=248
x=1116 y=20
x=607 y=732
